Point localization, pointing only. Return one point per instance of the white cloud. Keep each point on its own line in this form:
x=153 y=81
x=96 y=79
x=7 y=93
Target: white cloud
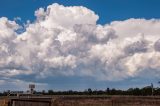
x=67 y=41
x=17 y=19
x=61 y=16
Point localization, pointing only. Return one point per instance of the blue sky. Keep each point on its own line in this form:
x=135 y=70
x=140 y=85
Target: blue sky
x=108 y=11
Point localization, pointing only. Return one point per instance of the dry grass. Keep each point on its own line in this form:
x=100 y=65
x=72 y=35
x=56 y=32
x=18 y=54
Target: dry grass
x=109 y=101
x=3 y=102
x=91 y=101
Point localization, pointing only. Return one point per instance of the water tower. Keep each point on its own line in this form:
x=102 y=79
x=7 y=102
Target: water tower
x=31 y=87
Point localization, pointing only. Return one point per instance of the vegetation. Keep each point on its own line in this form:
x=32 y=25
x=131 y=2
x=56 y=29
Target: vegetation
x=146 y=91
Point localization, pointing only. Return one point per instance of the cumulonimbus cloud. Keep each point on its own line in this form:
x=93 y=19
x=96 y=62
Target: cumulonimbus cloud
x=67 y=41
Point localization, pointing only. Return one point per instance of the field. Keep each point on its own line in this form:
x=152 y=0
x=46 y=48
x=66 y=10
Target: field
x=82 y=101
x=109 y=101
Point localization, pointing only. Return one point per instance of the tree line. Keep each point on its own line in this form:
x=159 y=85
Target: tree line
x=145 y=91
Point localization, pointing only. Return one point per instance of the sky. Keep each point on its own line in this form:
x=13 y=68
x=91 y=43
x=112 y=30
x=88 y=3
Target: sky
x=108 y=10
x=79 y=44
